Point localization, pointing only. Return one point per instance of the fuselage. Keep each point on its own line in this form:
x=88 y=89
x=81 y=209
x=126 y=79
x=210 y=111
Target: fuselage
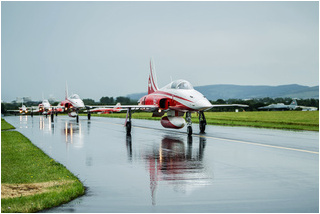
x=73 y=101
x=44 y=106
x=23 y=109
x=179 y=95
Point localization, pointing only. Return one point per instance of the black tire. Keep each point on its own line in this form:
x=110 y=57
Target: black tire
x=89 y=116
x=202 y=126
x=189 y=130
x=77 y=118
x=128 y=128
x=51 y=118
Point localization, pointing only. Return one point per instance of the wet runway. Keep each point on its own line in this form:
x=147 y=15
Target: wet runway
x=228 y=169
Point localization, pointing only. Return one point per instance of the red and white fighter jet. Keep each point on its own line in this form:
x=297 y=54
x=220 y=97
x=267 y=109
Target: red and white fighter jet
x=176 y=99
x=72 y=104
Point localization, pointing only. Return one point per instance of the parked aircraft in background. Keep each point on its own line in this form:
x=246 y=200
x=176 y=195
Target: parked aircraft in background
x=292 y=106
x=104 y=110
x=175 y=99
x=22 y=110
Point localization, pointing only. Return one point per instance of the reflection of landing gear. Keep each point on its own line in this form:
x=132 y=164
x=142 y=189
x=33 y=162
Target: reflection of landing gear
x=128 y=121
x=189 y=123
x=129 y=146
x=202 y=122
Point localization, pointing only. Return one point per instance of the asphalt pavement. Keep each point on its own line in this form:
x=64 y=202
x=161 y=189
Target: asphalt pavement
x=227 y=169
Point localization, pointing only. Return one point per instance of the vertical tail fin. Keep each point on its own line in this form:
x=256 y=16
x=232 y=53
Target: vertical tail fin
x=66 y=90
x=294 y=102
x=118 y=106
x=152 y=82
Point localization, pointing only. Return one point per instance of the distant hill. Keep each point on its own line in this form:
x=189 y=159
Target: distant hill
x=214 y=92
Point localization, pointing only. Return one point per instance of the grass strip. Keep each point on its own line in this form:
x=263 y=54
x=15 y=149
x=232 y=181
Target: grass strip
x=294 y=120
x=5 y=125
x=30 y=180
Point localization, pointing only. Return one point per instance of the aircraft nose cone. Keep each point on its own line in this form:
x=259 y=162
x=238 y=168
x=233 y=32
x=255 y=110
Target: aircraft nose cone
x=203 y=104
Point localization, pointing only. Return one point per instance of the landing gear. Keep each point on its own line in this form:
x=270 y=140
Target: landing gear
x=77 y=116
x=89 y=113
x=52 y=115
x=189 y=123
x=202 y=122
x=128 y=128
x=128 y=121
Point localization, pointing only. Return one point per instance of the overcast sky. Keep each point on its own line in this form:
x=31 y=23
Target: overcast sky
x=104 y=48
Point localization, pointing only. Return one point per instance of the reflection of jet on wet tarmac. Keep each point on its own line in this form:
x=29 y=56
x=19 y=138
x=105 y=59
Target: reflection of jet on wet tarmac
x=179 y=165
x=73 y=134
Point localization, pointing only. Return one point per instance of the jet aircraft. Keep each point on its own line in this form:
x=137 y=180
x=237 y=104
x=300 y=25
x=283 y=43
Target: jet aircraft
x=72 y=104
x=292 y=106
x=22 y=110
x=175 y=99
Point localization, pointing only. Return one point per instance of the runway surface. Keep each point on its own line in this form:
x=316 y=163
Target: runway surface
x=228 y=169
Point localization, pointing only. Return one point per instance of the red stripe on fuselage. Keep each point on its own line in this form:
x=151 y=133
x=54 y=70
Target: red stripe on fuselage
x=172 y=95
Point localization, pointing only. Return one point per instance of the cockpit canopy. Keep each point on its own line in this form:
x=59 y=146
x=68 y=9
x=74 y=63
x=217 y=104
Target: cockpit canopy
x=75 y=96
x=180 y=84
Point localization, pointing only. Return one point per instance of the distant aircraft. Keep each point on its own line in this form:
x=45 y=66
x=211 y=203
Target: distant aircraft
x=176 y=99
x=104 y=110
x=72 y=104
x=292 y=106
x=22 y=110
x=44 y=107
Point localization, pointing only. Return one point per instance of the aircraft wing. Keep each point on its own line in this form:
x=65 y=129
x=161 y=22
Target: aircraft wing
x=229 y=105
x=125 y=106
x=310 y=108
x=14 y=110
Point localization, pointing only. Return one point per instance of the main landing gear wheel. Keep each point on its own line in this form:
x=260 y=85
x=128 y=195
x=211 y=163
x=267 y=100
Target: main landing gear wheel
x=202 y=126
x=51 y=117
x=128 y=121
x=189 y=130
x=77 y=118
x=89 y=113
x=202 y=122
x=128 y=128
x=189 y=123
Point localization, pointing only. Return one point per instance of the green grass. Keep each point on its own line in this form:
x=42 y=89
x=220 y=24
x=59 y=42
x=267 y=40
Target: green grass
x=295 y=120
x=22 y=163
x=5 y=125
